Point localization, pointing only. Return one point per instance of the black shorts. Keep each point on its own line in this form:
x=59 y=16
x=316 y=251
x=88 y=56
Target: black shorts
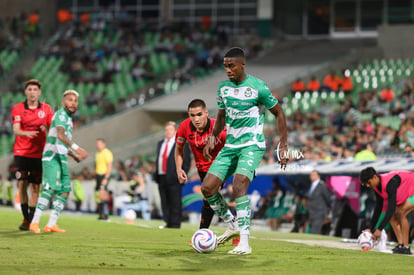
x=99 y=179
x=204 y=174
x=29 y=169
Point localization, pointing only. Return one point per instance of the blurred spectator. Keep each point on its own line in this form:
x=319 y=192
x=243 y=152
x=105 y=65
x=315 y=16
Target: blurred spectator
x=387 y=95
x=114 y=66
x=298 y=85
x=346 y=81
x=92 y=99
x=313 y=84
x=301 y=216
x=78 y=192
x=366 y=153
x=138 y=197
x=331 y=82
x=5 y=126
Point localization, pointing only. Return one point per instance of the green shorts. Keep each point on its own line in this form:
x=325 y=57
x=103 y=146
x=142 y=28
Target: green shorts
x=411 y=199
x=243 y=161
x=56 y=175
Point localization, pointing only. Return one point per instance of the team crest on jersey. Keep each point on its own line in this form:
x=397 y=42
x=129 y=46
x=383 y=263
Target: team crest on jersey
x=180 y=139
x=236 y=91
x=18 y=175
x=62 y=117
x=248 y=92
x=41 y=114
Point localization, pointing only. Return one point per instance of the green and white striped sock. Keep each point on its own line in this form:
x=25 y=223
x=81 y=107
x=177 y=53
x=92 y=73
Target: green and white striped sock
x=243 y=218
x=58 y=205
x=219 y=205
x=42 y=203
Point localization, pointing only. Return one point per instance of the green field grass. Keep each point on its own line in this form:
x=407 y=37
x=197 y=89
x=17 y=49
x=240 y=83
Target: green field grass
x=94 y=247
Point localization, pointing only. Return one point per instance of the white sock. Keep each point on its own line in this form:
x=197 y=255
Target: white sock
x=36 y=217
x=244 y=240
x=53 y=218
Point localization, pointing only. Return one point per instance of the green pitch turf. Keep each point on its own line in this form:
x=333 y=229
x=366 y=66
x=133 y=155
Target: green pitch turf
x=94 y=247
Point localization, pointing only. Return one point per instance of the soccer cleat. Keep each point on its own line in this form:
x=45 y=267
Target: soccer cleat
x=402 y=250
x=240 y=251
x=230 y=233
x=25 y=225
x=34 y=227
x=54 y=229
x=397 y=248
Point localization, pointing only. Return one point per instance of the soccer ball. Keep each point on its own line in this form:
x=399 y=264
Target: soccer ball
x=130 y=215
x=365 y=241
x=204 y=241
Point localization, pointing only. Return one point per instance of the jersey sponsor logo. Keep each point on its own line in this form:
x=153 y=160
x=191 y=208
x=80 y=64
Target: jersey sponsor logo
x=180 y=139
x=18 y=118
x=225 y=91
x=238 y=114
x=248 y=92
x=18 y=175
x=220 y=99
x=41 y=114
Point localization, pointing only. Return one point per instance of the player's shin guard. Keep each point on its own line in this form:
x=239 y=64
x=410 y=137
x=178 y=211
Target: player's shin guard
x=243 y=218
x=42 y=203
x=219 y=205
x=207 y=214
x=58 y=205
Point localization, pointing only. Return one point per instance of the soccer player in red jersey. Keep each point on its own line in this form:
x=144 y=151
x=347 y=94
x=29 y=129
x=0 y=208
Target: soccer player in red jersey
x=31 y=119
x=396 y=190
x=196 y=129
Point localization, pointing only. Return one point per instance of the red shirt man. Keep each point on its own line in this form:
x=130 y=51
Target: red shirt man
x=30 y=120
x=197 y=129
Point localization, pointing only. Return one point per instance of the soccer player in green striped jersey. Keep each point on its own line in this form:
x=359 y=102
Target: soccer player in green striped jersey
x=56 y=176
x=242 y=100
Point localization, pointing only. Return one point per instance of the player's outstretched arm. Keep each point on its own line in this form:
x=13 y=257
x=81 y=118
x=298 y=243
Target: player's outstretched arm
x=277 y=111
x=80 y=153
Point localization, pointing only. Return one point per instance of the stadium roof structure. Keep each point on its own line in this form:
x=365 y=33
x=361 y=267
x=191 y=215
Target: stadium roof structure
x=342 y=167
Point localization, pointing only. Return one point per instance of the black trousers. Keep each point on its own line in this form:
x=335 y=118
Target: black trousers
x=170 y=194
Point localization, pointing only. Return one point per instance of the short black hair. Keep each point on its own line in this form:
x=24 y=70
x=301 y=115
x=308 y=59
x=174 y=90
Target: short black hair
x=366 y=174
x=235 y=52
x=196 y=103
x=32 y=82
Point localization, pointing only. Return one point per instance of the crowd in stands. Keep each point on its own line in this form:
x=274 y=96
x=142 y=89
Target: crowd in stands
x=16 y=31
x=140 y=59
x=350 y=129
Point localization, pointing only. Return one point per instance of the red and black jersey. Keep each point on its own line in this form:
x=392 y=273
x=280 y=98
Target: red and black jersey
x=198 y=140
x=31 y=120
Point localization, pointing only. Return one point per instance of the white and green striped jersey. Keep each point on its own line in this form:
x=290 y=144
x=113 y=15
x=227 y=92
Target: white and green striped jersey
x=245 y=104
x=54 y=147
